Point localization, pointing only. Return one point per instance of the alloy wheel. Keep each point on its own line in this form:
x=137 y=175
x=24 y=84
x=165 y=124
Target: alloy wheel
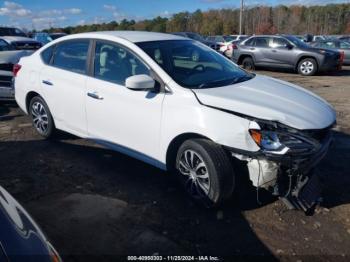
x=195 y=172
x=40 y=117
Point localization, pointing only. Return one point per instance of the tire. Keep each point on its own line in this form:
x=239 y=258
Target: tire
x=213 y=180
x=248 y=64
x=307 y=67
x=41 y=117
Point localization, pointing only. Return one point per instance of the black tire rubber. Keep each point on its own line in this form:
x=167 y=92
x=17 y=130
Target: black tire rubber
x=313 y=72
x=51 y=130
x=248 y=64
x=221 y=174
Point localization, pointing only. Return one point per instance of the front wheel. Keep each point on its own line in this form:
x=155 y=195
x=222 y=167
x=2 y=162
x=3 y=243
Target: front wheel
x=205 y=171
x=41 y=117
x=307 y=67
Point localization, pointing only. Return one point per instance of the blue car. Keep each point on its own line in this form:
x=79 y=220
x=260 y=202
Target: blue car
x=21 y=239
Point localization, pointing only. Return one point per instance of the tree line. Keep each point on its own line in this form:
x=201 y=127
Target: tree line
x=296 y=19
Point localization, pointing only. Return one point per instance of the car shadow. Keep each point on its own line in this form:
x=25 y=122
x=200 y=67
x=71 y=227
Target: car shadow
x=157 y=202
x=71 y=165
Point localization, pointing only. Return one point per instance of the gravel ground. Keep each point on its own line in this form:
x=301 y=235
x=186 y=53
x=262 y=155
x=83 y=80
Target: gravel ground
x=93 y=202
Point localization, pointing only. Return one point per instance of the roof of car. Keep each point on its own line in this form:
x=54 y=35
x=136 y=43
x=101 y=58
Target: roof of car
x=135 y=36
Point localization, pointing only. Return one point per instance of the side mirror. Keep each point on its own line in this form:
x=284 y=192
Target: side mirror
x=140 y=82
x=289 y=46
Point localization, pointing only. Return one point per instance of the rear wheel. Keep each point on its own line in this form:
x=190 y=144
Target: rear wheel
x=41 y=117
x=307 y=67
x=248 y=64
x=205 y=171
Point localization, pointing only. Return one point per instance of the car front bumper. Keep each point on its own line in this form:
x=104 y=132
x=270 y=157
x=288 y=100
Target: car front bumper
x=289 y=176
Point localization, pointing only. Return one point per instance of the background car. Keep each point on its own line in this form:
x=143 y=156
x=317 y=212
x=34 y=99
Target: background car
x=9 y=56
x=226 y=44
x=198 y=37
x=55 y=36
x=285 y=52
x=239 y=37
x=338 y=45
x=345 y=38
x=11 y=31
x=22 y=43
x=42 y=37
x=21 y=239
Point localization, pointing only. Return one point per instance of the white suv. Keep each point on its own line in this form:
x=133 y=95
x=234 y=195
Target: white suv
x=177 y=104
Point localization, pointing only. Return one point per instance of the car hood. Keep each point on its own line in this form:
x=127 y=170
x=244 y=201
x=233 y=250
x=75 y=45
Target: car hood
x=12 y=57
x=271 y=99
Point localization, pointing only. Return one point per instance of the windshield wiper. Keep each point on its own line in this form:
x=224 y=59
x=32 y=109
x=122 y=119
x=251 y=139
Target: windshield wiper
x=226 y=81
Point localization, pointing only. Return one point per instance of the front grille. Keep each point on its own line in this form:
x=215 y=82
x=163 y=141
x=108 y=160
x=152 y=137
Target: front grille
x=5 y=81
x=26 y=45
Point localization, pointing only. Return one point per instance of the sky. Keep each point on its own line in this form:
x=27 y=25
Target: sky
x=41 y=14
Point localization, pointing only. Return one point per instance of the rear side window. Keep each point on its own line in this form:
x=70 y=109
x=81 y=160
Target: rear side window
x=72 y=55
x=47 y=54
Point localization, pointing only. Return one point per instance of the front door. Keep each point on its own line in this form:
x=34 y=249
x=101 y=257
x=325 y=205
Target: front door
x=118 y=116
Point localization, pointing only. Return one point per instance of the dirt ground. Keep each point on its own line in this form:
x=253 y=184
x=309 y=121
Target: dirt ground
x=93 y=202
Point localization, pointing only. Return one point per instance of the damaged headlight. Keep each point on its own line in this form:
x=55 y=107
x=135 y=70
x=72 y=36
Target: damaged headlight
x=268 y=140
x=279 y=141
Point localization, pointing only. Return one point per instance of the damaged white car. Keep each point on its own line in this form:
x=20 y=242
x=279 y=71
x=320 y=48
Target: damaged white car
x=179 y=105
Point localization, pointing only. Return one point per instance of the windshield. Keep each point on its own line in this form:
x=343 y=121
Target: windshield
x=296 y=41
x=194 y=65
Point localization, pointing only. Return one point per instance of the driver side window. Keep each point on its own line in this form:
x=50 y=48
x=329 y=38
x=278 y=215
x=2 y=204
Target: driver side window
x=115 y=64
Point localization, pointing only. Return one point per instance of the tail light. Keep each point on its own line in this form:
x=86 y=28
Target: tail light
x=232 y=46
x=342 y=55
x=16 y=69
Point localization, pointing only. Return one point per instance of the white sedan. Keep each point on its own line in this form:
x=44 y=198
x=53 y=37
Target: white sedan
x=177 y=104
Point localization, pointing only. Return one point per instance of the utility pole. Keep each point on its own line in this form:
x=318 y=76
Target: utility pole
x=240 y=18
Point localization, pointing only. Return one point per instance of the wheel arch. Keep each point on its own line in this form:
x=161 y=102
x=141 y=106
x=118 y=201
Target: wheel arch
x=175 y=144
x=29 y=97
x=241 y=58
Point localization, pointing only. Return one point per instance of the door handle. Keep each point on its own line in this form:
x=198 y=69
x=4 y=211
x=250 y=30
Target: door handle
x=252 y=48
x=275 y=51
x=95 y=96
x=46 y=82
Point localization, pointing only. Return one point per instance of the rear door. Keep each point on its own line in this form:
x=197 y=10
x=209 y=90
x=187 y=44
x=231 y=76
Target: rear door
x=262 y=50
x=63 y=84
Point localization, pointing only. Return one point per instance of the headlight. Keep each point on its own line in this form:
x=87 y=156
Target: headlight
x=267 y=140
x=280 y=142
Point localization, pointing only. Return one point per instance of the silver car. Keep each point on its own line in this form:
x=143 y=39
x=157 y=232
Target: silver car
x=9 y=56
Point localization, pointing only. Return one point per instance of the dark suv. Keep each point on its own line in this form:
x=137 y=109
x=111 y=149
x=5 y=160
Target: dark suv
x=282 y=51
